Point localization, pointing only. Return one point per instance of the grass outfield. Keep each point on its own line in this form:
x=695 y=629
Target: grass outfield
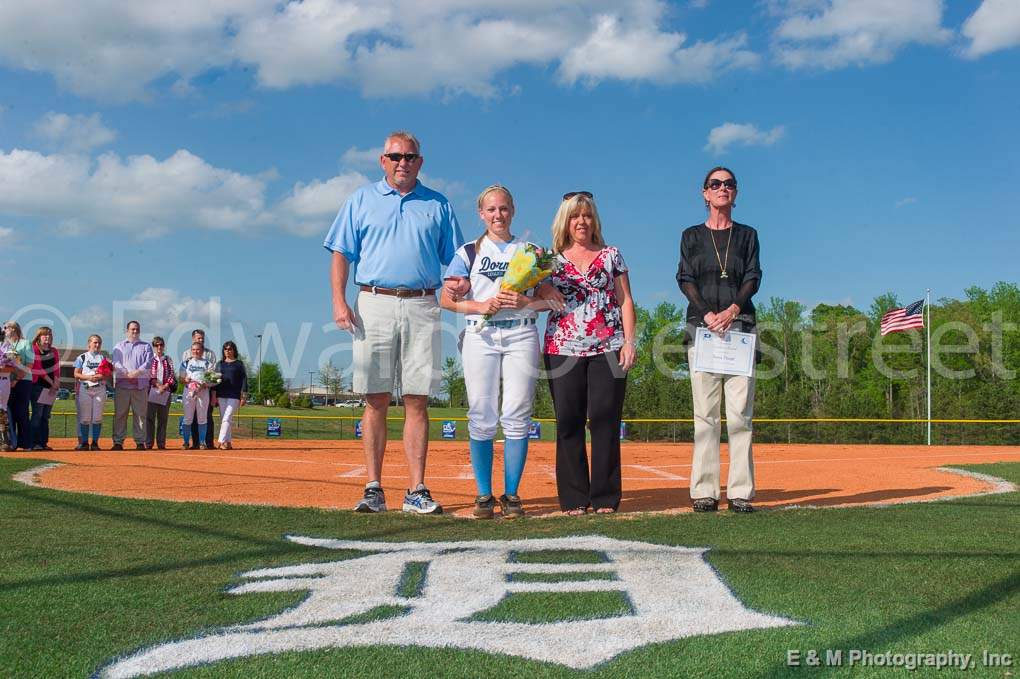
x=85 y=579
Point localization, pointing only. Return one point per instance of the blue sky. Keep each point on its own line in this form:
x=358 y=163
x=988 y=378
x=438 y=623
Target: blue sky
x=184 y=166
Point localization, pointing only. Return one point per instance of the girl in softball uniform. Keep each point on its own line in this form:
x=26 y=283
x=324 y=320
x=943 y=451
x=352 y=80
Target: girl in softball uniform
x=196 y=393
x=505 y=349
x=91 y=394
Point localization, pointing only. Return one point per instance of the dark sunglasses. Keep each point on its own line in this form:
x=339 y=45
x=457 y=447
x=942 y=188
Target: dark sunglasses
x=397 y=157
x=157 y=344
x=715 y=184
x=586 y=194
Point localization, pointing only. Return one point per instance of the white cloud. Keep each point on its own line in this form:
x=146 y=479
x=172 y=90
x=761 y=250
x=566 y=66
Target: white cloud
x=139 y=194
x=310 y=208
x=170 y=313
x=362 y=159
x=615 y=50
x=994 y=26
x=115 y=50
x=909 y=200
x=743 y=134
x=829 y=34
x=74 y=134
x=7 y=236
x=110 y=49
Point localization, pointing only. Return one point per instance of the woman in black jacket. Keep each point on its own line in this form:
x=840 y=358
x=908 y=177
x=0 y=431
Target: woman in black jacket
x=719 y=272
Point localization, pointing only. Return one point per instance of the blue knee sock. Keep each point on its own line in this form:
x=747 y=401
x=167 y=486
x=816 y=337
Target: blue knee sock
x=515 y=454
x=481 y=462
x=83 y=433
x=202 y=429
x=96 y=428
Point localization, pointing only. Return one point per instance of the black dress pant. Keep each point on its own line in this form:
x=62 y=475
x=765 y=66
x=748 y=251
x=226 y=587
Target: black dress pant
x=587 y=388
x=210 y=430
x=17 y=409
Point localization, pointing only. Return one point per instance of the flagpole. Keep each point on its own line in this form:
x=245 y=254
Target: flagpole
x=927 y=330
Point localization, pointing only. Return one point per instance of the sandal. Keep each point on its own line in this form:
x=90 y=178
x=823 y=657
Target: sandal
x=576 y=511
x=605 y=510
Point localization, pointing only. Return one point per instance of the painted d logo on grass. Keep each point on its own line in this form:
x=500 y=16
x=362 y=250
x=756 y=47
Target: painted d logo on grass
x=466 y=595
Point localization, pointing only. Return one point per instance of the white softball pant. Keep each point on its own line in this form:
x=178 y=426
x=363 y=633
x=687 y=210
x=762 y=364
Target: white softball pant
x=196 y=403
x=228 y=408
x=493 y=353
x=90 y=404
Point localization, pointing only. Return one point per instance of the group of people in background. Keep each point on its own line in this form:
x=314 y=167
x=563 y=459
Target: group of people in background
x=397 y=236
x=144 y=382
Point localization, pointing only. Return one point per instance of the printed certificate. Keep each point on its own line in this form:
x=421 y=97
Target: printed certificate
x=731 y=354
x=156 y=397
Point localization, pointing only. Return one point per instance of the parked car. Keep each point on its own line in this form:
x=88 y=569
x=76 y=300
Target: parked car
x=63 y=394
x=350 y=404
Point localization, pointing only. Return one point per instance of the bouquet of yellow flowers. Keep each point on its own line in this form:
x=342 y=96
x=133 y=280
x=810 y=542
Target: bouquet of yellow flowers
x=529 y=266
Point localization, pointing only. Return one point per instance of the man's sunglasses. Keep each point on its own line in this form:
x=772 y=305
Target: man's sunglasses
x=716 y=184
x=586 y=194
x=397 y=157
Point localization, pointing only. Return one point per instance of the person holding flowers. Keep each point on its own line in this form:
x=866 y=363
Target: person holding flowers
x=230 y=392
x=7 y=373
x=589 y=347
x=197 y=375
x=91 y=369
x=501 y=341
x=21 y=358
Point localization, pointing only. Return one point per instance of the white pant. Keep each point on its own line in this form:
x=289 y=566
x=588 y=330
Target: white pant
x=510 y=353
x=196 y=403
x=228 y=407
x=5 y=390
x=90 y=404
x=708 y=391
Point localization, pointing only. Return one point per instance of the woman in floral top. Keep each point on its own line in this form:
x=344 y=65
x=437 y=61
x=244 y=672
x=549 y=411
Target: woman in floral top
x=589 y=347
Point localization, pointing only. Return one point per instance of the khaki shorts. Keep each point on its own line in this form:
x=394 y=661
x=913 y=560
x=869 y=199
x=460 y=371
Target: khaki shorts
x=398 y=345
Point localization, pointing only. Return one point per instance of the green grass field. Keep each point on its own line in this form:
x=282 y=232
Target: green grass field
x=85 y=579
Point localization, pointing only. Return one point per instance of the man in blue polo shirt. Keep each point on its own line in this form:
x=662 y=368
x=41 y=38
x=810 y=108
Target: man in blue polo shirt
x=397 y=234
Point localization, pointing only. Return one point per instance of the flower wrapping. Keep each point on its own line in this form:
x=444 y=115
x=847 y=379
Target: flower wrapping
x=211 y=377
x=105 y=369
x=529 y=266
x=7 y=356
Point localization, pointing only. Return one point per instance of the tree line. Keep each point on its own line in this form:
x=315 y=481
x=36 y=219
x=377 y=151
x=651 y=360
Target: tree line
x=831 y=362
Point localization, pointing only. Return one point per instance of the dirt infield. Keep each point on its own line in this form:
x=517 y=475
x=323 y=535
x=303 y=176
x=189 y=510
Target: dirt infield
x=330 y=474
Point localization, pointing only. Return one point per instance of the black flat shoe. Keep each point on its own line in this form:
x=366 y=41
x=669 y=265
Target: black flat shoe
x=705 y=504
x=741 y=506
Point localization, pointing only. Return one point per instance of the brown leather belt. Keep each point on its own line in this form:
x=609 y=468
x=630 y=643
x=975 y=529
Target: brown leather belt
x=397 y=292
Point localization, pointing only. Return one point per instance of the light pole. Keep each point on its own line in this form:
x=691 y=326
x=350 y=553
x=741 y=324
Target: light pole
x=260 y=369
x=310 y=392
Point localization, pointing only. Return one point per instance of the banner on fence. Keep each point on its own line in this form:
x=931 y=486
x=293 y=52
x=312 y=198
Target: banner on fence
x=449 y=429
x=535 y=430
x=273 y=427
x=357 y=429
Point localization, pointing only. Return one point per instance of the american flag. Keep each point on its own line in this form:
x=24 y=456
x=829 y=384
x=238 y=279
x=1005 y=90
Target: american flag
x=908 y=317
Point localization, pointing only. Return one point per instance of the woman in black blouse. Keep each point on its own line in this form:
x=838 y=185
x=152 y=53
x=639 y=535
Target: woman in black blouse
x=231 y=392
x=718 y=274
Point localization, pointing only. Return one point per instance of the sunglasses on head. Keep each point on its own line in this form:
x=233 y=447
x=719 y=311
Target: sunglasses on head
x=397 y=157
x=716 y=184
x=586 y=194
